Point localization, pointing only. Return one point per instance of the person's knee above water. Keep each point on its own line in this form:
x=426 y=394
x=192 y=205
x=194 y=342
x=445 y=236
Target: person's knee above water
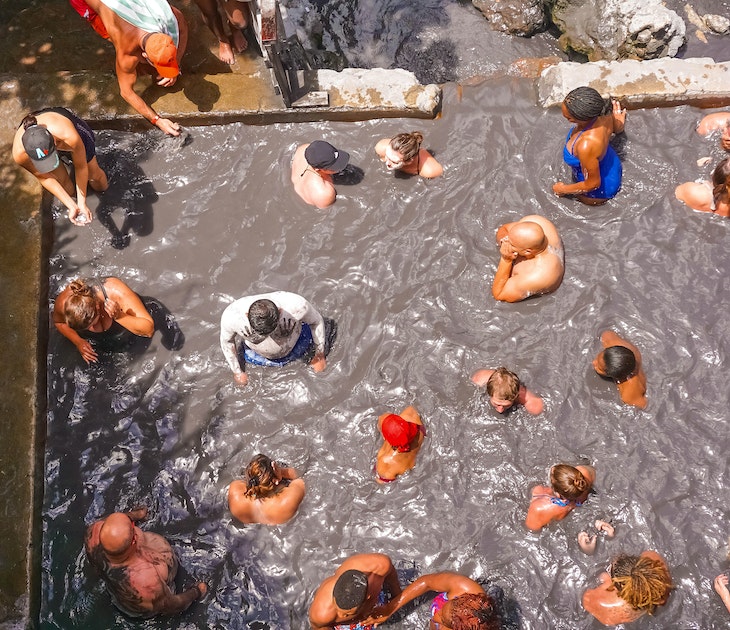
x=708 y=196
x=404 y=153
x=531 y=259
x=137 y=567
x=270 y=493
x=274 y=327
x=312 y=169
x=402 y=439
x=595 y=165
x=620 y=361
x=36 y=145
x=88 y=311
x=569 y=488
x=506 y=391
x=633 y=586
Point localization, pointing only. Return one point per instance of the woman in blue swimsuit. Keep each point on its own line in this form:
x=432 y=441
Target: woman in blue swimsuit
x=569 y=488
x=461 y=603
x=596 y=167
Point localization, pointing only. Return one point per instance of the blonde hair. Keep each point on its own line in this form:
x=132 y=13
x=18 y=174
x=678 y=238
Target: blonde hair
x=81 y=306
x=568 y=481
x=260 y=477
x=643 y=583
x=407 y=144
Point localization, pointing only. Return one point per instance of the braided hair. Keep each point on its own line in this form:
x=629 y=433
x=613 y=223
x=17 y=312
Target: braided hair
x=643 y=583
x=585 y=103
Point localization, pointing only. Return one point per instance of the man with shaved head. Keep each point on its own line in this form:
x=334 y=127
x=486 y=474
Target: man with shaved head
x=138 y=567
x=531 y=262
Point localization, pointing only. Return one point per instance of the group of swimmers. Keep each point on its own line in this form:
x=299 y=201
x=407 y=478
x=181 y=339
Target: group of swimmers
x=276 y=328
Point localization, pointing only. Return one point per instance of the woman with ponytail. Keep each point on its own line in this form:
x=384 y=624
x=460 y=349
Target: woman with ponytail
x=405 y=153
x=569 y=488
x=596 y=167
x=709 y=196
x=99 y=314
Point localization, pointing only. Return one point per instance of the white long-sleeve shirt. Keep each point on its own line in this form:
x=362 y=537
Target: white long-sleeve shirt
x=234 y=322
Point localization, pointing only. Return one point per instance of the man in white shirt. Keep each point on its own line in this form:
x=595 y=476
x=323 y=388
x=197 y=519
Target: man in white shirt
x=276 y=328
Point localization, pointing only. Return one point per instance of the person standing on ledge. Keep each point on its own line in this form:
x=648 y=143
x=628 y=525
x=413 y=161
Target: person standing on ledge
x=403 y=153
x=270 y=494
x=632 y=587
x=138 y=567
x=276 y=328
x=349 y=596
x=506 y=391
x=148 y=37
x=531 y=259
x=312 y=169
x=596 y=167
x=38 y=140
x=620 y=361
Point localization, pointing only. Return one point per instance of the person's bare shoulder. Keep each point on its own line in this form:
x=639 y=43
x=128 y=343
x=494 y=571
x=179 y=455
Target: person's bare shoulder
x=713 y=122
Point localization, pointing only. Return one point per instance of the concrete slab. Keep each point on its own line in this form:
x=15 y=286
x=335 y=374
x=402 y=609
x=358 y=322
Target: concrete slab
x=659 y=82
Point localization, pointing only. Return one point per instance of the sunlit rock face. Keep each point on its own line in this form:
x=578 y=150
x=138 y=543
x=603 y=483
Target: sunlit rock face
x=516 y=17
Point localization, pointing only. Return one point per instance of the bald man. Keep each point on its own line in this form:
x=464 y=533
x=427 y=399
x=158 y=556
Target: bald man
x=138 y=567
x=531 y=259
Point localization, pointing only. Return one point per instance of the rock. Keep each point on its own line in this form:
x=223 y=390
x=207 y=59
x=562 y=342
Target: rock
x=516 y=17
x=618 y=29
x=717 y=23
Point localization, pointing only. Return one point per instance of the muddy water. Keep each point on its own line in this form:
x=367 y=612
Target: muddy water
x=404 y=268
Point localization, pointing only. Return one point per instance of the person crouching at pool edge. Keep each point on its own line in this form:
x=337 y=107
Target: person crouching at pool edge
x=632 y=586
x=270 y=493
x=570 y=487
x=620 y=361
x=312 y=169
x=403 y=153
x=506 y=391
x=402 y=439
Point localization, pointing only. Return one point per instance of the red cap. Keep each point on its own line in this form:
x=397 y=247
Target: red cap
x=398 y=432
x=163 y=54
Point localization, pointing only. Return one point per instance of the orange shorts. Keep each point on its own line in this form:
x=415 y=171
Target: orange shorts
x=86 y=12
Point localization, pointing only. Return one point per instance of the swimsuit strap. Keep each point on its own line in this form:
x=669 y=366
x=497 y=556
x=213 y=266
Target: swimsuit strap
x=580 y=133
x=559 y=501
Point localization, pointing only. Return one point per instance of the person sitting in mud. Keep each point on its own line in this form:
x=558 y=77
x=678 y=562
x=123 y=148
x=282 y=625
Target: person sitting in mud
x=714 y=122
x=708 y=196
x=276 y=328
x=403 y=153
x=312 y=169
x=148 y=37
x=632 y=586
x=461 y=603
x=596 y=167
x=269 y=494
x=569 y=488
x=531 y=259
x=36 y=147
x=402 y=439
x=344 y=600
x=507 y=391
x=99 y=314
x=138 y=567
x=620 y=361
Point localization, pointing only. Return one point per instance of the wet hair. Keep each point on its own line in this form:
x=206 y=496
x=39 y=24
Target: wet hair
x=721 y=181
x=503 y=384
x=350 y=590
x=407 y=144
x=568 y=481
x=29 y=121
x=81 y=306
x=620 y=362
x=260 y=477
x=264 y=316
x=585 y=103
x=643 y=583
x=475 y=611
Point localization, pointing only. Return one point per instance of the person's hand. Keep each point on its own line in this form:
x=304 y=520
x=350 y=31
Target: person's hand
x=506 y=250
x=619 y=113
x=318 y=363
x=587 y=543
x=167 y=81
x=112 y=308
x=168 y=126
x=87 y=351
x=559 y=188
x=286 y=326
x=80 y=215
x=202 y=589
x=241 y=379
x=603 y=526
x=138 y=513
x=720 y=584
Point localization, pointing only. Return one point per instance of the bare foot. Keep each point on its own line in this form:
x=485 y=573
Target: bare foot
x=240 y=43
x=587 y=543
x=603 y=526
x=225 y=53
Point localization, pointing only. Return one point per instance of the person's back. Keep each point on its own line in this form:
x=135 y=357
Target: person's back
x=403 y=437
x=311 y=173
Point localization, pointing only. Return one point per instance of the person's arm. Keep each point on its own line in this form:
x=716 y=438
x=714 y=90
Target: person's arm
x=721 y=582
x=229 y=330
x=312 y=317
x=289 y=500
x=430 y=168
x=71 y=138
x=238 y=502
x=618 y=116
x=59 y=321
x=531 y=402
x=480 y=378
x=171 y=604
x=381 y=146
x=125 y=306
x=505 y=287
x=696 y=195
x=324 y=194
x=588 y=151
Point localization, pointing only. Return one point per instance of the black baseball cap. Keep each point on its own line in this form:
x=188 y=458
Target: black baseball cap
x=41 y=148
x=323 y=155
